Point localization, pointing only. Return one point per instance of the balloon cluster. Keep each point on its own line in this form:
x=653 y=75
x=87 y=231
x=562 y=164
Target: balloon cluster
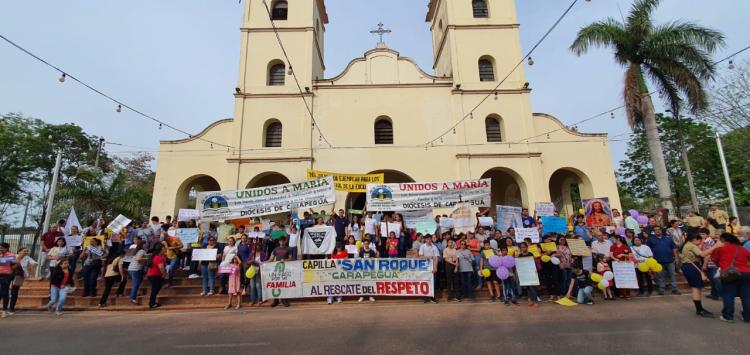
x=602 y=280
x=650 y=264
x=502 y=264
x=553 y=259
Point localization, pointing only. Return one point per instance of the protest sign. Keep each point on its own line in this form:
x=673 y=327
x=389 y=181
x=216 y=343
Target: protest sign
x=544 y=209
x=352 y=249
x=578 y=247
x=118 y=224
x=625 y=275
x=463 y=219
x=486 y=221
x=416 y=196
x=187 y=235
x=353 y=211
x=526 y=269
x=549 y=247
x=446 y=223
x=348 y=277
x=319 y=240
x=348 y=182
x=523 y=233
x=551 y=224
x=204 y=254
x=73 y=240
x=428 y=227
x=188 y=214
x=598 y=212
x=588 y=263
x=534 y=250
x=87 y=241
x=262 y=201
x=411 y=218
x=508 y=216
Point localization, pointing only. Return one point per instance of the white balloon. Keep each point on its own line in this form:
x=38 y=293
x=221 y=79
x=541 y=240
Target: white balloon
x=608 y=275
x=555 y=260
x=604 y=283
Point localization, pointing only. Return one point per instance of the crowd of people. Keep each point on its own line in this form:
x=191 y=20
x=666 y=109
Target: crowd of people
x=704 y=250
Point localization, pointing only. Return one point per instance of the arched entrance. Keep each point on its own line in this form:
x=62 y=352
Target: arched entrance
x=267 y=179
x=508 y=188
x=188 y=190
x=357 y=200
x=567 y=186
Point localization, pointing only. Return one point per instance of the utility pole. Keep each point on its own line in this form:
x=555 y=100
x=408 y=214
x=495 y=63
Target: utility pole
x=52 y=188
x=686 y=161
x=98 y=151
x=728 y=181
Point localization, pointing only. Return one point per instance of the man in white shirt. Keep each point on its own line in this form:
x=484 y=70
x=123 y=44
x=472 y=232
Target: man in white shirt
x=430 y=251
x=602 y=245
x=370 y=224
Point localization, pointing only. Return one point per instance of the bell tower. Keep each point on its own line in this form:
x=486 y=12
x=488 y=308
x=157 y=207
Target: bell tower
x=476 y=42
x=299 y=25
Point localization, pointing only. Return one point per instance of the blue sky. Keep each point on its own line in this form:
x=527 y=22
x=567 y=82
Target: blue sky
x=178 y=60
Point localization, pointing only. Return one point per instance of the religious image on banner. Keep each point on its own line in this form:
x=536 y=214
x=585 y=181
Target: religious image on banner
x=428 y=195
x=598 y=212
x=319 y=240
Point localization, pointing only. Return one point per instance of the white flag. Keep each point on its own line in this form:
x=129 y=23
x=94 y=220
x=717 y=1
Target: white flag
x=319 y=240
x=72 y=221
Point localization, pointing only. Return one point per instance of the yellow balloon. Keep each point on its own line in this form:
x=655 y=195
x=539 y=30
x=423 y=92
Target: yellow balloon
x=657 y=268
x=652 y=262
x=546 y=258
x=601 y=286
x=486 y=272
x=359 y=244
x=596 y=277
x=250 y=273
x=581 y=211
x=643 y=267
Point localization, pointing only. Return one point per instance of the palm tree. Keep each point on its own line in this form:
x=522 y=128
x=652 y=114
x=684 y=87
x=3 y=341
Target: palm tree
x=676 y=57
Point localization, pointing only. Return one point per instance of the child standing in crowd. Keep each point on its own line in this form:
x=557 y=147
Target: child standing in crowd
x=509 y=284
x=621 y=252
x=392 y=245
x=493 y=282
x=234 y=287
x=531 y=291
x=339 y=253
x=466 y=271
x=551 y=272
x=601 y=267
x=61 y=284
x=580 y=287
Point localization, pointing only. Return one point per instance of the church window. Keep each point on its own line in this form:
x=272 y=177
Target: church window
x=273 y=135
x=280 y=10
x=276 y=74
x=383 y=131
x=480 y=8
x=492 y=126
x=486 y=69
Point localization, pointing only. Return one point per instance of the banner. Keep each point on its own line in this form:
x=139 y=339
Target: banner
x=262 y=201
x=187 y=235
x=72 y=221
x=348 y=182
x=187 y=214
x=552 y=224
x=544 y=209
x=463 y=218
x=578 y=247
x=523 y=233
x=418 y=196
x=319 y=240
x=625 y=275
x=446 y=224
x=411 y=218
x=508 y=216
x=204 y=254
x=486 y=221
x=348 y=277
x=526 y=269
x=118 y=224
x=598 y=212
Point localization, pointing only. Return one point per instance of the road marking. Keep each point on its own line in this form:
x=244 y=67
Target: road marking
x=209 y=346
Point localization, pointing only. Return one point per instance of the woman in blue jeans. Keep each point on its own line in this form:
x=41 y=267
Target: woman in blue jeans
x=208 y=269
x=731 y=253
x=60 y=278
x=465 y=271
x=135 y=269
x=256 y=258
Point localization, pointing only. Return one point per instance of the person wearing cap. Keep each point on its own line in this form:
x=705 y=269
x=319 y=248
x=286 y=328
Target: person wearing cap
x=720 y=216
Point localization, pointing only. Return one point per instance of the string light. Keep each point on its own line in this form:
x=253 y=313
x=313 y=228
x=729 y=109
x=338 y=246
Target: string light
x=159 y=125
x=454 y=131
x=441 y=139
x=119 y=108
x=731 y=65
x=471 y=115
x=212 y=146
x=612 y=115
x=62 y=78
x=290 y=71
x=495 y=95
x=531 y=61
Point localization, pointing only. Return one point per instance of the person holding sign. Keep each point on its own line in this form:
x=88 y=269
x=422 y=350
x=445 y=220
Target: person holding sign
x=281 y=253
x=621 y=252
x=339 y=253
x=208 y=270
x=173 y=246
x=531 y=291
x=430 y=251
x=493 y=282
x=256 y=258
x=642 y=252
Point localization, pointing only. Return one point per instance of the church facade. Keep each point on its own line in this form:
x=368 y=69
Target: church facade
x=385 y=114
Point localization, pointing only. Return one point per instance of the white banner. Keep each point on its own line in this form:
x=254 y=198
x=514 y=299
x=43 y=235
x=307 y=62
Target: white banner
x=526 y=269
x=545 y=209
x=262 y=201
x=204 y=254
x=418 y=196
x=319 y=240
x=187 y=214
x=348 y=277
x=523 y=233
x=463 y=219
x=411 y=218
x=118 y=224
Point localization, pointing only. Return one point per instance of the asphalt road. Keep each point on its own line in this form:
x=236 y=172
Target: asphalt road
x=659 y=325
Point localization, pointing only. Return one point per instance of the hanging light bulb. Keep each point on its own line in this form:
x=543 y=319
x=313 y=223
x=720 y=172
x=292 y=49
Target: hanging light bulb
x=454 y=131
x=441 y=139
x=495 y=95
x=547 y=135
x=119 y=108
x=320 y=138
x=531 y=61
x=471 y=115
x=212 y=146
x=730 y=66
x=612 y=115
x=290 y=71
x=159 y=125
x=62 y=78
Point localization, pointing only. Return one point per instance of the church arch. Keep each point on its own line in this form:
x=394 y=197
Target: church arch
x=189 y=189
x=508 y=188
x=567 y=186
x=268 y=178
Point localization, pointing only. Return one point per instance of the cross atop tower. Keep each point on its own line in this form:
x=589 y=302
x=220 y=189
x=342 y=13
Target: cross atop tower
x=380 y=32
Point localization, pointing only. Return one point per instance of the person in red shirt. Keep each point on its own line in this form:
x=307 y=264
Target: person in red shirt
x=156 y=274
x=48 y=242
x=620 y=251
x=729 y=252
x=339 y=253
x=474 y=245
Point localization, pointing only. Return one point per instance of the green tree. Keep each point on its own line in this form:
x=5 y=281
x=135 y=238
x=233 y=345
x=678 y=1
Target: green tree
x=675 y=57
x=636 y=172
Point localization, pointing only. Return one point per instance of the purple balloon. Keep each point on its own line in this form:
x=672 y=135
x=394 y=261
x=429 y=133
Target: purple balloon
x=643 y=219
x=633 y=213
x=621 y=231
x=495 y=261
x=503 y=273
x=508 y=261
